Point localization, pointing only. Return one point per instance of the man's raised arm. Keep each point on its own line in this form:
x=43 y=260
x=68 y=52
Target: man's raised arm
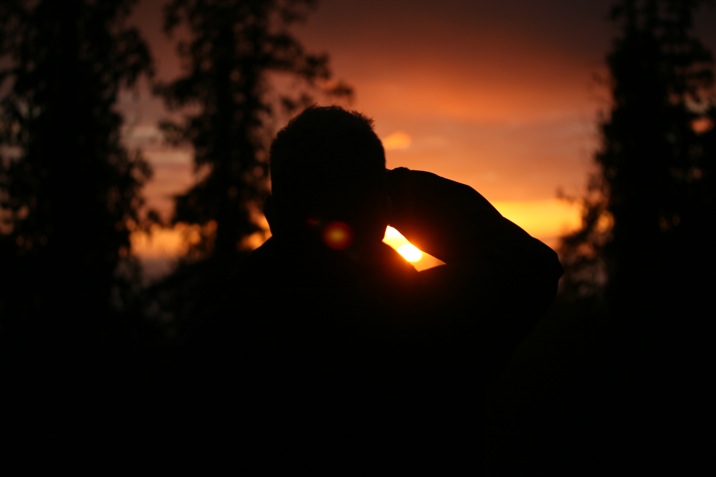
x=489 y=257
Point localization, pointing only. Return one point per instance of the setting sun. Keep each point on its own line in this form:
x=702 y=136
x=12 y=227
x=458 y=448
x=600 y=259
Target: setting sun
x=410 y=252
x=420 y=259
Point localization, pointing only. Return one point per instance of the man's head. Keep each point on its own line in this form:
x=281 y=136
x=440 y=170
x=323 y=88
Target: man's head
x=328 y=166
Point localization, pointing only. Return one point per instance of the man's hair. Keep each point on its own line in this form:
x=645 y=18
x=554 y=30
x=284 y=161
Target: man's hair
x=325 y=153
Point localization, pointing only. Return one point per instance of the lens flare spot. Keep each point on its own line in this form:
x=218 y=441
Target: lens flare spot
x=410 y=252
x=337 y=235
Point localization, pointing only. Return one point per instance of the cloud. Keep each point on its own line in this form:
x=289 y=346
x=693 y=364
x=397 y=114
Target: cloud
x=397 y=140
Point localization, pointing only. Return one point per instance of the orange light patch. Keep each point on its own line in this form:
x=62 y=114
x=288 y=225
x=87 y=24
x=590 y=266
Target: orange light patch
x=547 y=219
x=420 y=260
x=337 y=235
x=410 y=252
x=397 y=140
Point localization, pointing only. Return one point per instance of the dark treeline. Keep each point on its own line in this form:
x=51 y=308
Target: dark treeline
x=613 y=381
x=83 y=342
x=606 y=378
x=70 y=198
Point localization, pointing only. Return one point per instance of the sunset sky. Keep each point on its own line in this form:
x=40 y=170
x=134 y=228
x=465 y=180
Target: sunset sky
x=497 y=94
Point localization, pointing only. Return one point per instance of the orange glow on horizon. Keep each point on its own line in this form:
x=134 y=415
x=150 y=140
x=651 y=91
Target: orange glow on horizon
x=546 y=220
x=160 y=243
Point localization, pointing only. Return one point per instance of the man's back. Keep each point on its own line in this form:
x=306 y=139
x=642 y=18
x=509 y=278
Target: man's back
x=364 y=361
x=311 y=352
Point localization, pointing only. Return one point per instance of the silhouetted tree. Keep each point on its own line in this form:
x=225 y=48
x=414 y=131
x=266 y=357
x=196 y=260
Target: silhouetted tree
x=646 y=213
x=70 y=192
x=243 y=71
x=643 y=261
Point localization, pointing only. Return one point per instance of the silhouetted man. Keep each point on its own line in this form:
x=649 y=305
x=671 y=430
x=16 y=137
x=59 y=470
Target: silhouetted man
x=328 y=344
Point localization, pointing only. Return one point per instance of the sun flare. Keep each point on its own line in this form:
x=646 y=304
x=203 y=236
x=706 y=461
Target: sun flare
x=420 y=259
x=410 y=252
